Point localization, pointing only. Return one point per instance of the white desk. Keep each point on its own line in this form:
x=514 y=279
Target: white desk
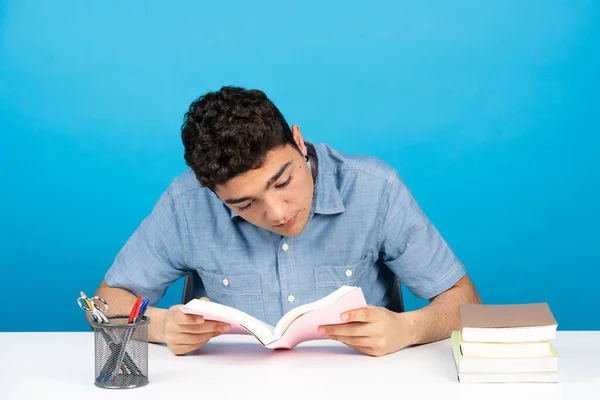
x=61 y=366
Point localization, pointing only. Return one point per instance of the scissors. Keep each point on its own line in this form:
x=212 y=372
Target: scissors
x=90 y=304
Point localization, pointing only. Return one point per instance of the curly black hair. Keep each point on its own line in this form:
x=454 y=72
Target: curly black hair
x=229 y=132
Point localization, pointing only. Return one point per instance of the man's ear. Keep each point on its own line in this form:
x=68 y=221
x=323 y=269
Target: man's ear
x=298 y=139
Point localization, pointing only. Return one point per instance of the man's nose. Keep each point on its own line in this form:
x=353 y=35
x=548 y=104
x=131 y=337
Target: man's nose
x=275 y=209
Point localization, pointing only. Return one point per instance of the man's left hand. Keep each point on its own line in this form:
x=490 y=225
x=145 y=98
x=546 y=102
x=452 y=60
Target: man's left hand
x=375 y=331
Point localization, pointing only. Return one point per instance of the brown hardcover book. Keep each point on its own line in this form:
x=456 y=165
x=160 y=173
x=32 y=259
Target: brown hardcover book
x=507 y=323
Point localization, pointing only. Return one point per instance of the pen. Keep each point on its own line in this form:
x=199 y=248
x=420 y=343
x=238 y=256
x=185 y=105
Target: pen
x=135 y=310
x=142 y=311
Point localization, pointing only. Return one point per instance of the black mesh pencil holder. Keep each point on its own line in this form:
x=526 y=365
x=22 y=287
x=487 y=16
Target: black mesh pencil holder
x=121 y=353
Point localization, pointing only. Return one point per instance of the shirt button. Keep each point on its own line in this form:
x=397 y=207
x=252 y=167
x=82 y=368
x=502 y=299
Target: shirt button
x=225 y=282
x=291 y=298
x=285 y=247
x=348 y=273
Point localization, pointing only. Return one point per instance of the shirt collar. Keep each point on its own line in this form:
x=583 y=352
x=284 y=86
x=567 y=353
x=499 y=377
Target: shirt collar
x=327 y=198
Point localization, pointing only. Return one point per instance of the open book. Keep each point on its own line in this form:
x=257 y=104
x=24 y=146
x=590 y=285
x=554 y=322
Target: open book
x=297 y=325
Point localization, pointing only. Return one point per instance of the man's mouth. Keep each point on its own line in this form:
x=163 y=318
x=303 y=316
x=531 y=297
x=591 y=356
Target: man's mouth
x=288 y=223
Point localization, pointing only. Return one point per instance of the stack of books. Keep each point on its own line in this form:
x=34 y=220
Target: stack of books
x=505 y=343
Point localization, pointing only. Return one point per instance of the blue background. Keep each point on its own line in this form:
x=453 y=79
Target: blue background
x=489 y=110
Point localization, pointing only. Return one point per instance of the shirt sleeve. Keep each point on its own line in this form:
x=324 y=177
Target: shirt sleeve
x=153 y=257
x=413 y=248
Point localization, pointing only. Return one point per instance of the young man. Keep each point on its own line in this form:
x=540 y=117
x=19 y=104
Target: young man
x=270 y=222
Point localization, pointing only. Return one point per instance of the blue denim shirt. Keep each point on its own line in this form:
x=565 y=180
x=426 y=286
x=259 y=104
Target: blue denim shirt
x=364 y=227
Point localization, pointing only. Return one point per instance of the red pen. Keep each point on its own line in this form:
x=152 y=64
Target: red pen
x=135 y=310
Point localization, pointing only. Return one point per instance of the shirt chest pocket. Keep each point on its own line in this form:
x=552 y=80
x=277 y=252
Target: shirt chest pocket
x=240 y=291
x=331 y=277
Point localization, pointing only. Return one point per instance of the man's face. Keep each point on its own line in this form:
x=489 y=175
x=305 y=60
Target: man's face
x=276 y=197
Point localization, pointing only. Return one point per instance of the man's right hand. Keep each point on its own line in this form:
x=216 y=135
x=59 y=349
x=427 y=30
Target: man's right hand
x=185 y=333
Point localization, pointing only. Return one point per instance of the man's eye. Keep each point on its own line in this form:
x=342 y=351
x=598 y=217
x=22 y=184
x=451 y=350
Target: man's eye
x=284 y=184
x=247 y=206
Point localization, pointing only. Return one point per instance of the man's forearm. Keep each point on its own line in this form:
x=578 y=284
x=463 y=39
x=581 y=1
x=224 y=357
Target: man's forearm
x=121 y=301
x=437 y=320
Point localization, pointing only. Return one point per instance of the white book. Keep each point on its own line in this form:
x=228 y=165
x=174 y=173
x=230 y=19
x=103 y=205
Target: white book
x=505 y=350
x=495 y=377
x=510 y=335
x=501 y=365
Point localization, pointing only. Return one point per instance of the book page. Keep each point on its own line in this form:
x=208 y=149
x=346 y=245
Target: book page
x=304 y=327
x=297 y=312
x=236 y=318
